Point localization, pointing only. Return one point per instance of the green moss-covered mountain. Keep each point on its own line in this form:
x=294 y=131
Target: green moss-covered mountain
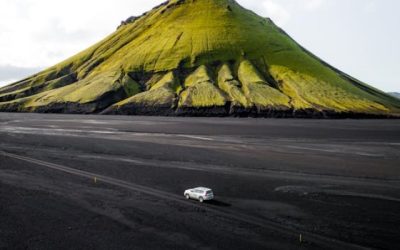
x=197 y=57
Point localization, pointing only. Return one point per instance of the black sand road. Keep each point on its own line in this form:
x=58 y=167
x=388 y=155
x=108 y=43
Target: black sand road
x=96 y=182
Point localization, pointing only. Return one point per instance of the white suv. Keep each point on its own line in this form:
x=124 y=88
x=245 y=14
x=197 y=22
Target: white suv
x=201 y=194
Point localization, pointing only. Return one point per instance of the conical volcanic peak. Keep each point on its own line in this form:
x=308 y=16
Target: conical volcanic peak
x=197 y=57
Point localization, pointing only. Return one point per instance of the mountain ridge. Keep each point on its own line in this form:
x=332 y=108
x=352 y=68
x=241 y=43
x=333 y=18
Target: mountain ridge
x=395 y=94
x=197 y=57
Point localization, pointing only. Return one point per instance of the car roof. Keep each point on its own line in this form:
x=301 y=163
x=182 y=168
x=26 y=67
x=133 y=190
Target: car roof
x=203 y=189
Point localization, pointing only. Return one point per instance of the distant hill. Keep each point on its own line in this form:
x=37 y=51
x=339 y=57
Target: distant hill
x=197 y=58
x=395 y=94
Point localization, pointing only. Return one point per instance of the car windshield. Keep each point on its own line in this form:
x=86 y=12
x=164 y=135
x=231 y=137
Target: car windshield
x=209 y=192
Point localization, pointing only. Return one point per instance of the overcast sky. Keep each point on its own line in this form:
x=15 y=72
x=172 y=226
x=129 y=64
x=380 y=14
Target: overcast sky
x=360 y=37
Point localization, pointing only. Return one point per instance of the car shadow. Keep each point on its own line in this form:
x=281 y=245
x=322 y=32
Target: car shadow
x=218 y=203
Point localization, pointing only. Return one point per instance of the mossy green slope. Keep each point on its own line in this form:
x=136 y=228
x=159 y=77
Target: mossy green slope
x=195 y=54
x=161 y=94
x=200 y=91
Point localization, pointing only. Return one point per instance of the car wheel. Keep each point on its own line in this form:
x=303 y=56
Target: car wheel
x=201 y=199
x=187 y=196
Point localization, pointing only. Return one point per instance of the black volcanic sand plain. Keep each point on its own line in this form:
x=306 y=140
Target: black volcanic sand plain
x=107 y=182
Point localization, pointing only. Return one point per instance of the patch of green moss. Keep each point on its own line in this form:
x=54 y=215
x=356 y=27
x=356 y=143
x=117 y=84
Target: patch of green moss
x=130 y=86
x=161 y=94
x=257 y=90
x=168 y=80
x=159 y=97
x=200 y=91
x=232 y=87
x=198 y=76
x=309 y=92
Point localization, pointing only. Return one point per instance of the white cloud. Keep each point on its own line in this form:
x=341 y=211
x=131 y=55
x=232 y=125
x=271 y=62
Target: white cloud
x=370 y=6
x=40 y=33
x=282 y=11
x=277 y=12
x=10 y=73
x=312 y=4
x=6 y=82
